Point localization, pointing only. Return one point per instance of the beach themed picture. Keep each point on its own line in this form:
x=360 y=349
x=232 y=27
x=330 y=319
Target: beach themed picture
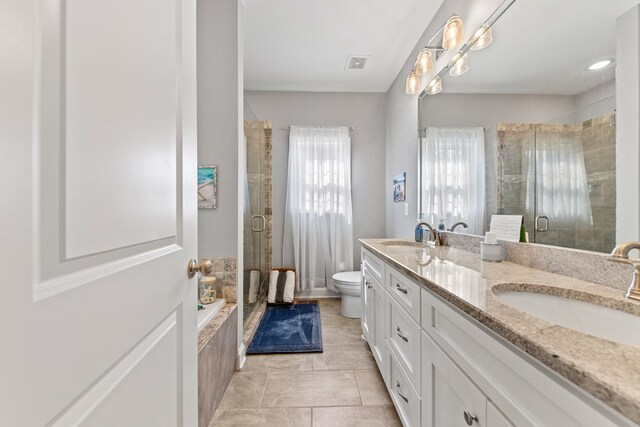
x=207 y=187
x=399 y=187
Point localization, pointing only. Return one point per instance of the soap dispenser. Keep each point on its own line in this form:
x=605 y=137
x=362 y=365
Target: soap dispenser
x=419 y=232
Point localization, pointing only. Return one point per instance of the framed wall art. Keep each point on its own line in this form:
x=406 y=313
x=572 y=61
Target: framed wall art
x=207 y=187
x=400 y=187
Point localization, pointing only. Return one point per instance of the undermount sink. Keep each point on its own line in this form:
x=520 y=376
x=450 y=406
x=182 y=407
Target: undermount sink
x=405 y=243
x=593 y=319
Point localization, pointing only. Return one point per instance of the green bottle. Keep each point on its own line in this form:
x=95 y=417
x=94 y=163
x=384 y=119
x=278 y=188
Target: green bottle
x=523 y=233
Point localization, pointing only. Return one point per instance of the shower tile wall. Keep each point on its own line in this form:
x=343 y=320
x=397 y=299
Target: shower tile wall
x=597 y=138
x=599 y=145
x=225 y=270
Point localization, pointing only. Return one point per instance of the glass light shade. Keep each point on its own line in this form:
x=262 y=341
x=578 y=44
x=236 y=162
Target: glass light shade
x=483 y=38
x=424 y=63
x=435 y=86
x=413 y=83
x=453 y=33
x=460 y=67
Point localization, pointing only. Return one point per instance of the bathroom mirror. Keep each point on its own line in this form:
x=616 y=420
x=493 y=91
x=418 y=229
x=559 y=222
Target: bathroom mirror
x=530 y=130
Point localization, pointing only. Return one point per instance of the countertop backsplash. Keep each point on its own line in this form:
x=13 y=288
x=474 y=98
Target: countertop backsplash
x=584 y=265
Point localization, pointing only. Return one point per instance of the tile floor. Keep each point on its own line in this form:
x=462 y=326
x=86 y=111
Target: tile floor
x=340 y=387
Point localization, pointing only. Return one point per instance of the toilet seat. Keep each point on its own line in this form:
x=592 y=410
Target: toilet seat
x=348 y=278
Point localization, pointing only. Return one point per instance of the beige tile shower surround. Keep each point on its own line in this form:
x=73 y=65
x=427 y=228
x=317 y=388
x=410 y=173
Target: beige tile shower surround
x=339 y=387
x=605 y=369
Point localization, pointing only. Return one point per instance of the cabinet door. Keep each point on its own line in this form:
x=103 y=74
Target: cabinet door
x=367 y=294
x=377 y=320
x=373 y=318
x=449 y=397
x=495 y=418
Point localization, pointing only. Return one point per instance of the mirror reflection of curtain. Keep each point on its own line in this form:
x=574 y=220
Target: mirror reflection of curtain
x=318 y=206
x=560 y=189
x=453 y=187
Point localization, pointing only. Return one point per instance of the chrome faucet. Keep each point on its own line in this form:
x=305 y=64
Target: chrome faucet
x=621 y=254
x=434 y=237
x=463 y=224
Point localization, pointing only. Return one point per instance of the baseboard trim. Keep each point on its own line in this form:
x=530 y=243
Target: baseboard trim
x=242 y=357
x=320 y=293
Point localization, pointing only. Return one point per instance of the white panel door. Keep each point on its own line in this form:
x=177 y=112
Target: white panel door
x=98 y=212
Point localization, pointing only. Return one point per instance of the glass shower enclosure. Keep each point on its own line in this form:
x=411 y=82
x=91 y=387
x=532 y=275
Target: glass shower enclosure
x=561 y=175
x=257 y=217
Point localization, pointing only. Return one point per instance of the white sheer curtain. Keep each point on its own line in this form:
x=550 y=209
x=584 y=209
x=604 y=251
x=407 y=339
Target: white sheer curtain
x=318 y=206
x=560 y=189
x=453 y=182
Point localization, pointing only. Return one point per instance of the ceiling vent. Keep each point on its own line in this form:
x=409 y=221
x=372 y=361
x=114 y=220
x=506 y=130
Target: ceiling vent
x=357 y=62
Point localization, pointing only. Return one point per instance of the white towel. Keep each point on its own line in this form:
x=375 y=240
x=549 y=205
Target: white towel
x=273 y=287
x=289 y=286
x=254 y=284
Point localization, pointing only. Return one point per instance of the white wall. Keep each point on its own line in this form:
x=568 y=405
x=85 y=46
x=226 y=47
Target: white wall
x=402 y=113
x=365 y=111
x=219 y=118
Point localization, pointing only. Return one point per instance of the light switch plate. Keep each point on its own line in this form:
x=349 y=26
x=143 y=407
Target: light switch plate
x=406 y=209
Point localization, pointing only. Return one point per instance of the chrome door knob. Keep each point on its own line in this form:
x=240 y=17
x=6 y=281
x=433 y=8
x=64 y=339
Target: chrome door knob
x=469 y=418
x=203 y=267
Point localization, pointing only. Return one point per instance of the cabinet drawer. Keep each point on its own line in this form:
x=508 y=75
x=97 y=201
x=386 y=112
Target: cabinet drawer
x=403 y=336
x=405 y=291
x=374 y=265
x=404 y=395
x=450 y=397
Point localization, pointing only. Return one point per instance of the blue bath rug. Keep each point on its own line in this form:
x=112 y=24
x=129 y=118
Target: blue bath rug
x=288 y=329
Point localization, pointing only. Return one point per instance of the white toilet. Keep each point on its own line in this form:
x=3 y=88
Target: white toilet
x=349 y=283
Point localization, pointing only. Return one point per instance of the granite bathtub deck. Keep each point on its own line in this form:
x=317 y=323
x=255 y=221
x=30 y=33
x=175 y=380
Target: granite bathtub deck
x=605 y=369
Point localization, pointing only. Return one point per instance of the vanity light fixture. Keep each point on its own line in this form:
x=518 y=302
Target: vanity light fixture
x=600 y=65
x=413 y=83
x=460 y=65
x=453 y=33
x=434 y=87
x=482 y=38
x=424 y=63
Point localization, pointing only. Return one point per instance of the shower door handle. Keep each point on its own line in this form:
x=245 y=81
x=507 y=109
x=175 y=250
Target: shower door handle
x=546 y=223
x=260 y=227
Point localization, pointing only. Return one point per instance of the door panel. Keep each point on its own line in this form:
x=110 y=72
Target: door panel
x=118 y=121
x=98 y=192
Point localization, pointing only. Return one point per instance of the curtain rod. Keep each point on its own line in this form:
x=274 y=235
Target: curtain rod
x=351 y=128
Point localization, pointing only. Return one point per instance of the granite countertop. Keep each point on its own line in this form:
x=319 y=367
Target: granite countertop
x=605 y=369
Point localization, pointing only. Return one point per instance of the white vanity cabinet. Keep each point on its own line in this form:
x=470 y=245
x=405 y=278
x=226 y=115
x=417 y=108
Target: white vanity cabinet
x=443 y=368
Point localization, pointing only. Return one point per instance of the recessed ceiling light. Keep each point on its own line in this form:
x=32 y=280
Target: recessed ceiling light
x=599 y=65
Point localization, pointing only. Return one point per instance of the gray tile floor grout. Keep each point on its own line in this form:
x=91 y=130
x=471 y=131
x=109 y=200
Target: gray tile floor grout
x=339 y=387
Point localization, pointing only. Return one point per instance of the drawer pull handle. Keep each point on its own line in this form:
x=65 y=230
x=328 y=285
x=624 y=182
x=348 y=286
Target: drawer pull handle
x=405 y=398
x=368 y=285
x=469 y=418
x=403 y=290
x=399 y=332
